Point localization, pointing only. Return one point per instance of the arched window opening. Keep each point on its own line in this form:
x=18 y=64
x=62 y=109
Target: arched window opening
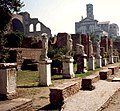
x=31 y=28
x=38 y=27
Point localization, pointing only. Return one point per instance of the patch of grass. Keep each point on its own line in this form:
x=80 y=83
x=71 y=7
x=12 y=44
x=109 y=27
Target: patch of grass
x=83 y=75
x=27 y=78
x=43 y=97
x=55 y=77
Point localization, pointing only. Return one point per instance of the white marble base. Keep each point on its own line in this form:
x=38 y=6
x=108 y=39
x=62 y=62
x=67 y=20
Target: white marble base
x=91 y=63
x=45 y=72
x=7 y=81
x=111 y=60
x=104 y=61
x=68 y=68
x=99 y=62
x=115 y=59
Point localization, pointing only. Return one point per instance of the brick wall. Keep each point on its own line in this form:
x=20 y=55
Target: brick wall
x=29 y=53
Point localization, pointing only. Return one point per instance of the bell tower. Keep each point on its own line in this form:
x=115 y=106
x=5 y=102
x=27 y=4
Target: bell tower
x=90 y=11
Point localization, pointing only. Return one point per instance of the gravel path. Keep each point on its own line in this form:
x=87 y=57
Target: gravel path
x=114 y=104
x=91 y=100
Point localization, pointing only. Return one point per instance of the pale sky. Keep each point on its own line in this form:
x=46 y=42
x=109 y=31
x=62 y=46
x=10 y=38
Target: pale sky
x=61 y=15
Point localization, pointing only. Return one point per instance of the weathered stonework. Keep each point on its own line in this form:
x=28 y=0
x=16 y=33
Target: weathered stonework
x=19 y=104
x=7 y=81
x=60 y=93
x=104 y=74
x=68 y=68
x=45 y=72
x=22 y=22
x=114 y=69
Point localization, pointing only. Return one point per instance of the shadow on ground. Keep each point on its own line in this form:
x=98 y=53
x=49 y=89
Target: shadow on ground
x=49 y=107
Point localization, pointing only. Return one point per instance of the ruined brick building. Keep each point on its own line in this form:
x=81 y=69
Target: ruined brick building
x=29 y=26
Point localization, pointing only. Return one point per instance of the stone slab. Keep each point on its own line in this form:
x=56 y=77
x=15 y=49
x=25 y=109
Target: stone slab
x=19 y=104
x=116 y=79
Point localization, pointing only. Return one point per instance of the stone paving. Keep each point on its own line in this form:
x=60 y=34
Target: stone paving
x=91 y=100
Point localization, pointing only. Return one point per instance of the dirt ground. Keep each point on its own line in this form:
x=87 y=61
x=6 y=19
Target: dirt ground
x=40 y=96
x=114 y=104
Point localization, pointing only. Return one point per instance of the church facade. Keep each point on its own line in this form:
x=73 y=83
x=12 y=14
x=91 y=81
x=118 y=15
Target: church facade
x=90 y=25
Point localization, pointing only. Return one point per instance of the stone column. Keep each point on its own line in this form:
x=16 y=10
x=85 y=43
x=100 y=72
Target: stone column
x=81 y=59
x=68 y=60
x=7 y=81
x=91 y=59
x=45 y=64
x=98 y=57
x=111 y=55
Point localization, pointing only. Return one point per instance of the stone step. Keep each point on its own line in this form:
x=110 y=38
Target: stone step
x=116 y=79
x=19 y=104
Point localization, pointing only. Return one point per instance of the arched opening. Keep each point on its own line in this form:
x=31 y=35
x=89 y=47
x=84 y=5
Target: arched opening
x=38 y=27
x=17 y=25
x=31 y=28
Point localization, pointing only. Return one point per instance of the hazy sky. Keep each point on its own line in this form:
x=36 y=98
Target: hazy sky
x=61 y=15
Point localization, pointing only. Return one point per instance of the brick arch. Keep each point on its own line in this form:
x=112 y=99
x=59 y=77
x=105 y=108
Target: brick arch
x=17 y=25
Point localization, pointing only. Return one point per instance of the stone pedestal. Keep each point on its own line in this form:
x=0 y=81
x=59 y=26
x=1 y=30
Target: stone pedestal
x=91 y=63
x=104 y=61
x=115 y=59
x=111 y=60
x=81 y=63
x=99 y=62
x=68 y=68
x=7 y=81
x=45 y=72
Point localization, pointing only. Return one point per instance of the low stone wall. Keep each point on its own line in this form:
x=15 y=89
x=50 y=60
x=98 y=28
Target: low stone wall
x=60 y=93
x=114 y=69
x=19 y=104
x=87 y=82
x=104 y=74
x=29 y=53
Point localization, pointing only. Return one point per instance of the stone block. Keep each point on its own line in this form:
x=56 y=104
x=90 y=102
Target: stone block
x=45 y=72
x=91 y=63
x=104 y=74
x=99 y=62
x=7 y=81
x=104 y=61
x=115 y=79
x=114 y=69
x=87 y=84
x=68 y=68
x=60 y=93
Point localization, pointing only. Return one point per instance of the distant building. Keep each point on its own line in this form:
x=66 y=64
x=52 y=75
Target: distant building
x=90 y=25
x=114 y=30
x=29 y=26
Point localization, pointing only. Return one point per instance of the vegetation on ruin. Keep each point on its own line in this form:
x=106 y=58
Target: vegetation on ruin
x=7 y=8
x=14 y=39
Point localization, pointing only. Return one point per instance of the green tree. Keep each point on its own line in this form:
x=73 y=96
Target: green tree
x=14 y=39
x=7 y=8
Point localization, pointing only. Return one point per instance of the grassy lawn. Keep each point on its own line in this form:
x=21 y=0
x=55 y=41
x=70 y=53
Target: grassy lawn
x=31 y=78
x=27 y=78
